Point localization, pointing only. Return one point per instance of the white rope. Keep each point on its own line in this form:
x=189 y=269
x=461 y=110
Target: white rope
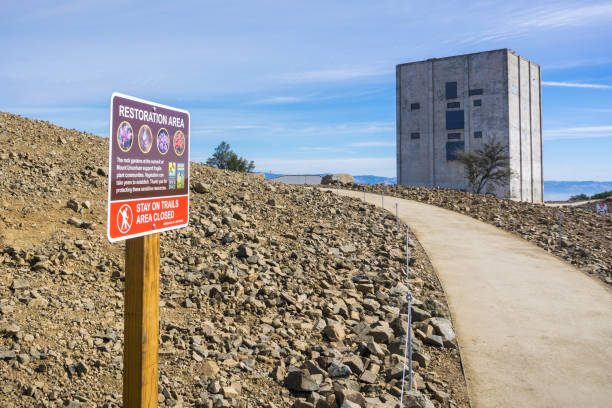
x=408 y=343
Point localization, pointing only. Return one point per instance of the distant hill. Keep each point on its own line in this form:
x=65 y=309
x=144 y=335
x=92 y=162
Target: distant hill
x=562 y=190
x=367 y=179
x=553 y=190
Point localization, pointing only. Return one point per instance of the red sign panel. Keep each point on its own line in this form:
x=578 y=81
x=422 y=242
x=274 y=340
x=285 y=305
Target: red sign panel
x=148 y=168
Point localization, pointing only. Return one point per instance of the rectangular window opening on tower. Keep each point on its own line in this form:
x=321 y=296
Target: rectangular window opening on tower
x=475 y=92
x=454 y=120
x=415 y=135
x=478 y=135
x=452 y=105
x=477 y=102
x=451 y=90
x=415 y=106
x=453 y=149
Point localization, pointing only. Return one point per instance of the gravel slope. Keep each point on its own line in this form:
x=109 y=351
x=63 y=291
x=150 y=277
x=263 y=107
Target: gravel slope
x=274 y=296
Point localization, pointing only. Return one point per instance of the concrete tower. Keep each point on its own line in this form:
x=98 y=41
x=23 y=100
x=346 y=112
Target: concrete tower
x=454 y=104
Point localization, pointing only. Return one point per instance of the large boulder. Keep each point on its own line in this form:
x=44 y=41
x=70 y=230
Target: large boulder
x=339 y=178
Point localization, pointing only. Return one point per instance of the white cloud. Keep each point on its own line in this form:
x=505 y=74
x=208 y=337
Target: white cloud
x=278 y=100
x=347 y=128
x=373 y=143
x=339 y=74
x=553 y=17
x=383 y=166
x=577 y=63
x=578 y=132
x=324 y=149
x=576 y=85
x=524 y=21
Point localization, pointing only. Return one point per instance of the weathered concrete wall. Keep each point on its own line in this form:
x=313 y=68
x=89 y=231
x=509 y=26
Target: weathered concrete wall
x=524 y=98
x=448 y=173
x=414 y=155
x=537 y=186
x=514 y=126
x=508 y=111
x=491 y=117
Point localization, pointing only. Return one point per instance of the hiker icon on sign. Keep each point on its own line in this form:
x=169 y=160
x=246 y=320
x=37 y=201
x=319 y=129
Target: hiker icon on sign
x=124 y=218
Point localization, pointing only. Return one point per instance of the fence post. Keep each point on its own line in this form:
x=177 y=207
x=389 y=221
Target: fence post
x=141 y=322
x=383 y=199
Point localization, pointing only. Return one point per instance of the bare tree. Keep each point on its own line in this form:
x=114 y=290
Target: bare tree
x=487 y=166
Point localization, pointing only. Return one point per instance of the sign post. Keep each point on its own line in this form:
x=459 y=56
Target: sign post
x=148 y=193
x=141 y=322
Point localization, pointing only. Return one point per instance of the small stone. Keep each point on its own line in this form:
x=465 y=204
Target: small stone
x=209 y=368
x=443 y=328
x=279 y=372
x=345 y=394
x=7 y=355
x=81 y=368
x=230 y=392
x=23 y=358
x=355 y=363
x=338 y=370
x=300 y=380
x=334 y=332
x=20 y=284
x=368 y=377
x=434 y=340
x=382 y=334
x=200 y=188
x=73 y=205
x=440 y=396
x=214 y=387
x=244 y=251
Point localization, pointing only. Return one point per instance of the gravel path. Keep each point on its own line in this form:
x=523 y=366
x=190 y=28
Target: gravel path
x=534 y=331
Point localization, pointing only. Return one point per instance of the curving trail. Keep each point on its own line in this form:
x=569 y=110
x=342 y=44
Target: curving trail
x=534 y=331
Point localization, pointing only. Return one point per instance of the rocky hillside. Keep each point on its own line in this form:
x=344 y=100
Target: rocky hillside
x=577 y=235
x=275 y=296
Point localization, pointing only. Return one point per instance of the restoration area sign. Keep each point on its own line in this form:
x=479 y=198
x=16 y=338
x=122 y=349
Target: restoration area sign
x=148 y=168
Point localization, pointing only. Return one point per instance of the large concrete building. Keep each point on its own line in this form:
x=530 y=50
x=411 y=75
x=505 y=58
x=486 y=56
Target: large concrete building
x=454 y=104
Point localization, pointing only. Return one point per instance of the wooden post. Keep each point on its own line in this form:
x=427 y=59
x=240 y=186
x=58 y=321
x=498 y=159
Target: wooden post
x=141 y=322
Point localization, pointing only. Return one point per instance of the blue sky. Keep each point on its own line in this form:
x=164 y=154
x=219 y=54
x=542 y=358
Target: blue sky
x=302 y=86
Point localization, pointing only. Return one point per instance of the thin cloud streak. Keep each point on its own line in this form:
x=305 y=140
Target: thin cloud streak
x=576 y=85
x=578 y=63
x=340 y=74
x=578 y=132
x=551 y=17
x=278 y=100
x=373 y=144
x=523 y=23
